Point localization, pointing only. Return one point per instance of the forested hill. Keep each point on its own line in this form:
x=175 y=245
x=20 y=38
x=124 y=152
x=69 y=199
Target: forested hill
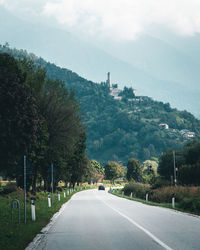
x=119 y=130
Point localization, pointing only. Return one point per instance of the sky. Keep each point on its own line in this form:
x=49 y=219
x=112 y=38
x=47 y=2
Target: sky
x=118 y=20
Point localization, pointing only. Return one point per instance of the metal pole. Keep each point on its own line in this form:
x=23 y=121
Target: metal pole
x=174 y=167
x=24 y=189
x=52 y=179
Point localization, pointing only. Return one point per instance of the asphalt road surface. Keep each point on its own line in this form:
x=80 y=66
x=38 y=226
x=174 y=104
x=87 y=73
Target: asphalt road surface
x=94 y=220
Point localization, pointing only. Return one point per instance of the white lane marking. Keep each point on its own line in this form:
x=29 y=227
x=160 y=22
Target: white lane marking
x=140 y=227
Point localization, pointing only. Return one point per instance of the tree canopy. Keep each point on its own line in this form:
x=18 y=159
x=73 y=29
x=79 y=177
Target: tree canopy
x=113 y=171
x=39 y=118
x=134 y=170
x=186 y=163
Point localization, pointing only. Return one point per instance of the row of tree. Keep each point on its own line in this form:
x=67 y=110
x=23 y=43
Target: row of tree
x=186 y=163
x=183 y=164
x=39 y=118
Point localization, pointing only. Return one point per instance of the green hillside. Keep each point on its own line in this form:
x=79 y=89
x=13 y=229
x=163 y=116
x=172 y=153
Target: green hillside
x=118 y=130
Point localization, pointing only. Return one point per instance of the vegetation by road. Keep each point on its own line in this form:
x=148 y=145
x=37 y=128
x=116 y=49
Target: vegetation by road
x=16 y=236
x=186 y=198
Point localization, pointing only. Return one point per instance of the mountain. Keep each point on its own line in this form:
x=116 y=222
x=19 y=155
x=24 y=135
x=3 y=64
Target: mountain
x=172 y=60
x=117 y=130
x=156 y=67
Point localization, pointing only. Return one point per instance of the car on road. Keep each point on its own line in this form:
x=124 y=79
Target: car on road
x=101 y=187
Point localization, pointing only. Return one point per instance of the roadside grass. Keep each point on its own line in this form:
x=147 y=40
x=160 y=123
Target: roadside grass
x=16 y=236
x=107 y=184
x=118 y=192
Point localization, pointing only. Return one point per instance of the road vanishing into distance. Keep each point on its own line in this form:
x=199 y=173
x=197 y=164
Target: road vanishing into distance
x=95 y=220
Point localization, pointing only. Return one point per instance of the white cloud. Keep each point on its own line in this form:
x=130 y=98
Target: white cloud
x=125 y=19
x=113 y=19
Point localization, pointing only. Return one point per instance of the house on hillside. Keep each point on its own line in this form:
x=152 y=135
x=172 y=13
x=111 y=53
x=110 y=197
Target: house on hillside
x=164 y=125
x=188 y=135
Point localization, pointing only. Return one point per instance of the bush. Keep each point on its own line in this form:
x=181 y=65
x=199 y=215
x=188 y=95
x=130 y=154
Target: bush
x=139 y=190
x=9 y=188
x=59 y=189
x=164 y=194
x=190 y=204
x=160 y=182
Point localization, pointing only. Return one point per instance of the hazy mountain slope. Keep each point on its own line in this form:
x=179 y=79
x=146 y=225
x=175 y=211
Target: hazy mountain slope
x=66 y=50
x=119 y=130
x=159 y=58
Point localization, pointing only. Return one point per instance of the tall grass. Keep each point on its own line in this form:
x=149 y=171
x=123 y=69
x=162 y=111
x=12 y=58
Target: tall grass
x=187 y=198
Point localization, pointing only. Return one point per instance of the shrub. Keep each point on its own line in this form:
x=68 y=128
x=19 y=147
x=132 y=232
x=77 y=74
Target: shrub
x=9 y=188
x=164 y=194
x=160 y=182
x=59 y=189
x=190 y=204
x=139 y=190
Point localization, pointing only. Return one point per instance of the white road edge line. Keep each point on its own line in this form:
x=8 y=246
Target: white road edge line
x=140 y=227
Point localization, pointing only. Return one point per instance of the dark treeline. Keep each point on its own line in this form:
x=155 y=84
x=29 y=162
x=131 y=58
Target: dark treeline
x=39 y=118
x=187 y=164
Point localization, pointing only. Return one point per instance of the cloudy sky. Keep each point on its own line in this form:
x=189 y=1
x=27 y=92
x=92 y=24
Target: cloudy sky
x=112 y=19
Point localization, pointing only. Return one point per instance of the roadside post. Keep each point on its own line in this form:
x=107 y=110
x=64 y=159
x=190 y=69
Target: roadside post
x=147 y=197
x=49 y=200
x=33 y=209
x=173 y=200
x=122 y=193
x=24 y=189
x=64 y=194
x=15 y=204
x=59 y=196
x=131 y=194
x=52 y=179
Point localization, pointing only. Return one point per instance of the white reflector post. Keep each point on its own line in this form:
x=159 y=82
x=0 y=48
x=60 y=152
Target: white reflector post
x=147 y=197
x=33 y=210
x=173 y=201
x=49 y=201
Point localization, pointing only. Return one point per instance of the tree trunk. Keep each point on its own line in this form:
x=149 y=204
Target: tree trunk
x=34 y=182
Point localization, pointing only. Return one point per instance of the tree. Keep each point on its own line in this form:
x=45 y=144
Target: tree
x=113 y=171
x=134 y=170
x=189 y=174
x=66 y=134
x=97 y=171
x=149 y=171
x=20 y=123
x=166 y=164
x=78 y=161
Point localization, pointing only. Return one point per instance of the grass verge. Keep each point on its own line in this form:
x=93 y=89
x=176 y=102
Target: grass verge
x=118 y=193
x=16 y=236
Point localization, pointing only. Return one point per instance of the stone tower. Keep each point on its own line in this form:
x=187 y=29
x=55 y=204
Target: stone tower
x=109 y=83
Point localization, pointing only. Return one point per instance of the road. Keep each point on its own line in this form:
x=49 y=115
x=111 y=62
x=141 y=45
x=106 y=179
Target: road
x=95 y=220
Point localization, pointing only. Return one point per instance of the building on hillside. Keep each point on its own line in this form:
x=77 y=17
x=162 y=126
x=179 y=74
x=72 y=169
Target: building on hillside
x=189 y=135
x=164 y=125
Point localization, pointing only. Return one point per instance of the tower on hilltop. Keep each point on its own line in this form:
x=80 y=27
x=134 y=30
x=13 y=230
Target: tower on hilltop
x=108 y=82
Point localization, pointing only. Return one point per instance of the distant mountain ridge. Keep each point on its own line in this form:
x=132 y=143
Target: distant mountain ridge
x=118 y=130
x=151 y=65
